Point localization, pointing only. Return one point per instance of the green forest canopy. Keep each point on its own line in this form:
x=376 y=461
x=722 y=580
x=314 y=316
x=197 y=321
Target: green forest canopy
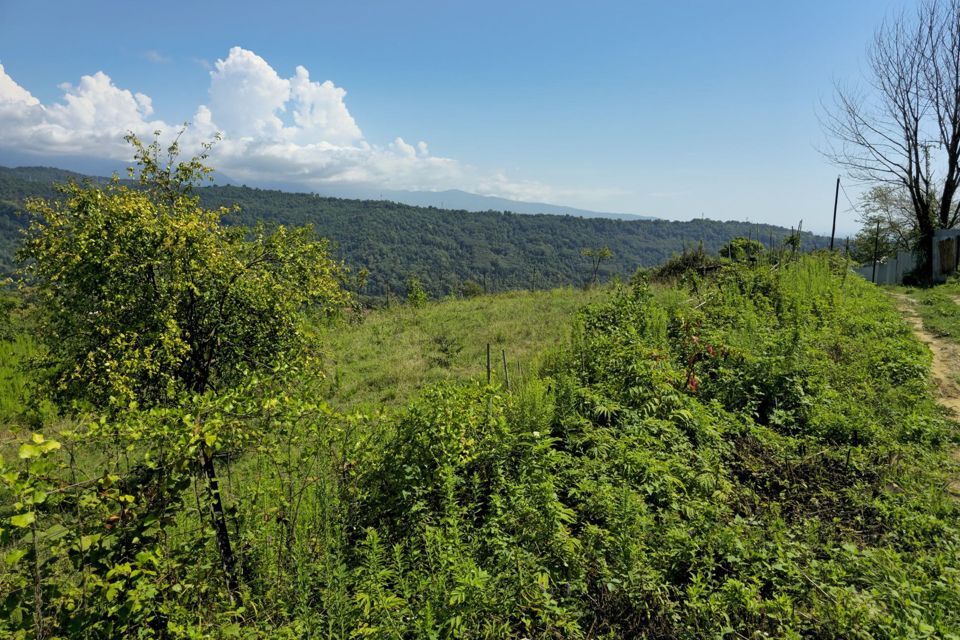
x=444 y=249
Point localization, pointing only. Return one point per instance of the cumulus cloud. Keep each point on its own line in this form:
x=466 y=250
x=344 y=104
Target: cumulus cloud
x=12 y=93
x=319 y=112
x=294 y=130
x=91 y=120
x=247 y=96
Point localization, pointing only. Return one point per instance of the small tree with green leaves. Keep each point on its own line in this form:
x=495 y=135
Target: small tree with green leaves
x=416 y=294
x=742 y=249
x=146 y=300
x=596 y=257
x=145 y=295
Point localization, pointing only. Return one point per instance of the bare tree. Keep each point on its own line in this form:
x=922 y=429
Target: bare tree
x=904 y=132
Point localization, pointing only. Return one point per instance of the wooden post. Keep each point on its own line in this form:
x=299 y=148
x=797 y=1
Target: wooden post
x=217 y=513
x=488 y=363
x=506 y=372
x=836 y=198
x=876 y=247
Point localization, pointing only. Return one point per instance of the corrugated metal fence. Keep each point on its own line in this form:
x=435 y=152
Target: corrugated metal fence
x=890 y=270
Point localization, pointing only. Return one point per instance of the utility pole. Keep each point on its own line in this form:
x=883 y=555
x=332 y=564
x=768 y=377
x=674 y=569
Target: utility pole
x=836 y=199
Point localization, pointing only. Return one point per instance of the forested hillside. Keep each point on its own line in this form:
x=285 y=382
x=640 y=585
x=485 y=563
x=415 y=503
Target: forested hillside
x=446 y=250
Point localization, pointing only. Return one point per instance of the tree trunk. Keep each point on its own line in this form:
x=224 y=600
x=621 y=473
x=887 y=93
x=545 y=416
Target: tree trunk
x=923 y=272
x=219 y=520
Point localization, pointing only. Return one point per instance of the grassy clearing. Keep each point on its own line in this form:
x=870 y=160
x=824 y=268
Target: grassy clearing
x=399 y=350
x=17 y=347
x=396 y=351
x=939 y=307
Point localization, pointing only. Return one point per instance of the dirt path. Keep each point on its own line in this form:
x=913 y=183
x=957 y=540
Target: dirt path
x=945 y=369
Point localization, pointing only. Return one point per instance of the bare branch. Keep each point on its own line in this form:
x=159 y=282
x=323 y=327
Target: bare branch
x=904 y=132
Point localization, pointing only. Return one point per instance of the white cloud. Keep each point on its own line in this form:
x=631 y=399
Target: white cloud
x=12 y=93
x=246 y=96
x=155 y=56
x=320 y=112
x=404 y=149
x=91 y=120
x=275 y=129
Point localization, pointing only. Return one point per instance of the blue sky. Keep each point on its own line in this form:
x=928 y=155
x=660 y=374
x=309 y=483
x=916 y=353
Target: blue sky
x=670 y=109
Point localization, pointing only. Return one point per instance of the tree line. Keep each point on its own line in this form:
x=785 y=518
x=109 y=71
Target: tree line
x=449 y=252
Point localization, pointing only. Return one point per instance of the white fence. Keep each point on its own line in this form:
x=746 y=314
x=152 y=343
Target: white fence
x=944 y=261
x=890 y=270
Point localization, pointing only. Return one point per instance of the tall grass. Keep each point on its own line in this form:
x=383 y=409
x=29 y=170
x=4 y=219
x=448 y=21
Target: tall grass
x=15 y=377
x=396 y=351
x=939 y=308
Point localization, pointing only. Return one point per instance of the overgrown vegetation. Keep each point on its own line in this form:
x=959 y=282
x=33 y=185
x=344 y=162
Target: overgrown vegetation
x=752 y=451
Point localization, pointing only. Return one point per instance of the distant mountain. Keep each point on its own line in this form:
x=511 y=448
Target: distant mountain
x=41 y=174
x=465 y=201
x=449 y=199
x=444 y=248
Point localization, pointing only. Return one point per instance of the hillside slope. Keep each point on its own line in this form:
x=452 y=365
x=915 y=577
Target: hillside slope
x=756 y=456
x=443 y=248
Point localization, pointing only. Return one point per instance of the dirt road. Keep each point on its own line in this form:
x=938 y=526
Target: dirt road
x=945 y=369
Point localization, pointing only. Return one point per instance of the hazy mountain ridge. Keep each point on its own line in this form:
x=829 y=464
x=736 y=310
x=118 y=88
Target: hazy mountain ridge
x=449 y=199
x=466 y=201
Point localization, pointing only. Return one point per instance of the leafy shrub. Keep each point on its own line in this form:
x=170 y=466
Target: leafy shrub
x=447 y=347
x=416 y=294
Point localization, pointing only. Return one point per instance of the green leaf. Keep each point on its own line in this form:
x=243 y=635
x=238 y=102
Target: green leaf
x=54 y=533
x=28 y=451
x=50 y=445
x=88 y=541
x=14 y=556
x=23 y=519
